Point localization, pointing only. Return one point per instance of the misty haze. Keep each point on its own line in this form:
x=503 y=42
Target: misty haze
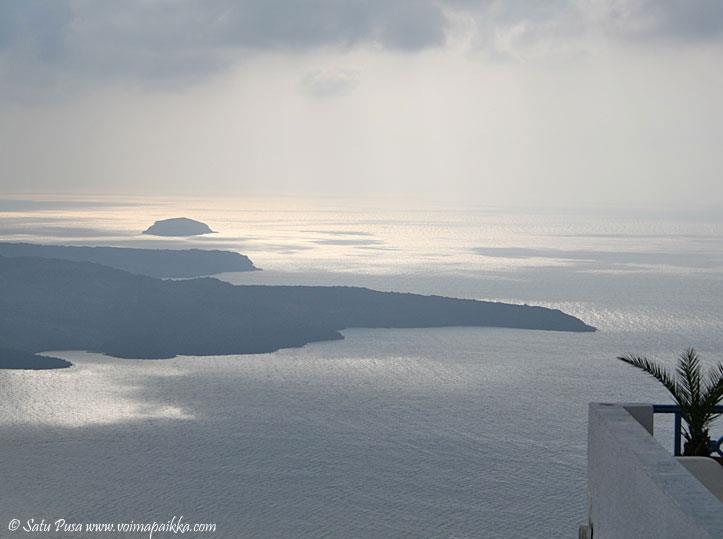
x=361 y=269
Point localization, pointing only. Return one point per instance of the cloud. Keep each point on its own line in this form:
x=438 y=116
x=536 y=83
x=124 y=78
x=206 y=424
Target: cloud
x=524 y=29
x=329 y=83
x=176 y=41
x=167 y=39
x=34 y=27
x=693 y=20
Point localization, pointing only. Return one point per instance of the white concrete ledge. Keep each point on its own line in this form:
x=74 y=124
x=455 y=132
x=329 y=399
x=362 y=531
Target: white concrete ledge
x=636 y=489
x=707 y=471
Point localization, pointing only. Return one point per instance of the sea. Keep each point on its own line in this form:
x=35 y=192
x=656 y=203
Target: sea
x=429 y=433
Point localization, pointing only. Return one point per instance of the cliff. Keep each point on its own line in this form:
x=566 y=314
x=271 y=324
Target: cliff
x=49 y=304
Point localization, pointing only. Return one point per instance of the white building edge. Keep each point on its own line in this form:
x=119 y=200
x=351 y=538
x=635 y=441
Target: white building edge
x=638 y=490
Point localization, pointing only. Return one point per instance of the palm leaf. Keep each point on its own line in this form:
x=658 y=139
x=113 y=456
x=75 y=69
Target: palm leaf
x=660 y=374
x=690 y=373
x=697 y=395
x=713 y=394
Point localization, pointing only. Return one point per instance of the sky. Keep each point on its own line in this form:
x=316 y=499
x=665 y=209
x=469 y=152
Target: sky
x=517 y=102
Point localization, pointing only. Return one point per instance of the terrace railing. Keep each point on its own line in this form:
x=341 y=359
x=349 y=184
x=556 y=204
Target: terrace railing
x=678 y=428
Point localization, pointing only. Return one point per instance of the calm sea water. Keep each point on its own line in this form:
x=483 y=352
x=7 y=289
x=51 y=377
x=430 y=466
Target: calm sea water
x=455 y=432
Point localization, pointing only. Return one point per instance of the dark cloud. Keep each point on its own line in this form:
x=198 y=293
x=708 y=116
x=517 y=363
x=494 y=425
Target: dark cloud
x=693 y=19
x=686 y=19
x=183 y=38
x=517 y=26
x=187 y=39
x=34 y=27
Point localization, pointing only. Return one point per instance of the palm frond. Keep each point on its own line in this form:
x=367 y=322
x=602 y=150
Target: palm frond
x=697 y=394
x=713 y=393
x=660 y=374
x=689 y=372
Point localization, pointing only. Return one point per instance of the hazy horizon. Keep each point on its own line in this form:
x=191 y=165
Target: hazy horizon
x=407 y=201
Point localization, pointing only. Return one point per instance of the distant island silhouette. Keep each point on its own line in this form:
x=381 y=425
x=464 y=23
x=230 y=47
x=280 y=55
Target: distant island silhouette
x=178 y=226
x=51 y=304
x=16 y=359
x=164 y=263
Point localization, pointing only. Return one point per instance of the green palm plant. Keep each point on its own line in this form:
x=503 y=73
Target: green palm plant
x=697 y=395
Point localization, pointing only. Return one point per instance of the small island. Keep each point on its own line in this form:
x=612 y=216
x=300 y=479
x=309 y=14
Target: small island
x=178 y=227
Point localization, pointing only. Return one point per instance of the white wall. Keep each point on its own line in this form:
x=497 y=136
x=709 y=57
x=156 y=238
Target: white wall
x=636 y=489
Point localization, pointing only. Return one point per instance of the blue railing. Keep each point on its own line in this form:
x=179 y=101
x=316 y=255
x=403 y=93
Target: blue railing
x=678 y=431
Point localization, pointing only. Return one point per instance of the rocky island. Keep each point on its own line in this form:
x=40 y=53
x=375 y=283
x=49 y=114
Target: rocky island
x=50 y=304
x=179 y=227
